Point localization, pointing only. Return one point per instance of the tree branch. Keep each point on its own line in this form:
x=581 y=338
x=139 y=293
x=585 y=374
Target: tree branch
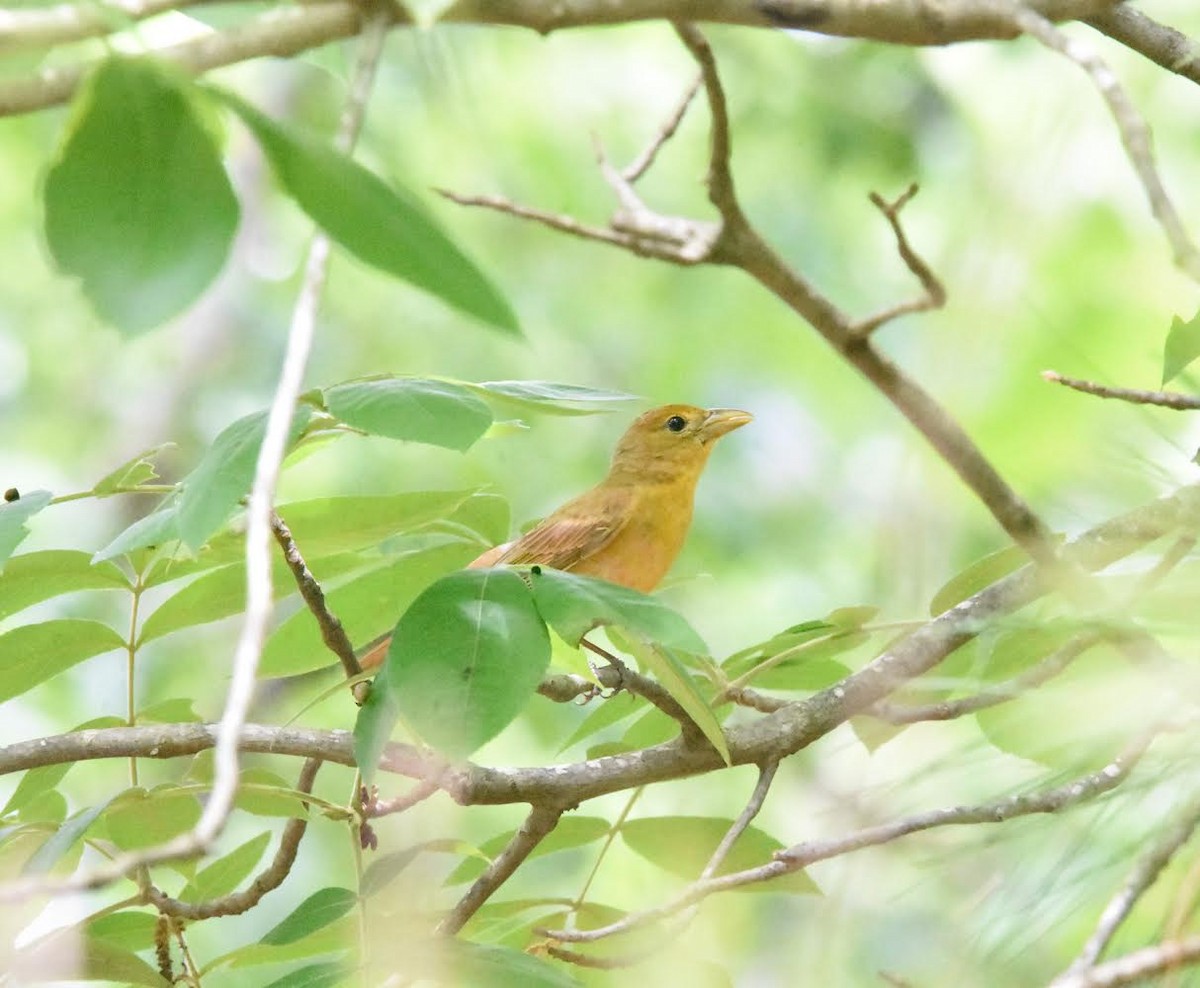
x=1135 y=967
x=1144 y=874
x=799 y=856
x=539 y=823
x=269 y=879
x=1164 y=399
x=1166 y=47
x=1135 y=135
x=284 y=32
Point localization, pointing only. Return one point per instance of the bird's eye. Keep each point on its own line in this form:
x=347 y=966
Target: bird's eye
x=676 y=423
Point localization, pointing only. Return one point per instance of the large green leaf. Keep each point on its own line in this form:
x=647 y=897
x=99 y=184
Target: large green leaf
x=133 y=929
x=36 y=576
x=416 y=409
x=33 y=653
x=154 y=529
x=683 y=845
x=318 y=910
x=138 y=205
x=380 y=225
x=573 y=605
x=223 y=476
x=13 y=516
x=476 y=965
x=226 y=873
x=63 y=839
x=140 y=818
x=464 y=660
x=979 y=574
x=549 y=398
x=367 y=605
x=571 y=831
x=326 y=974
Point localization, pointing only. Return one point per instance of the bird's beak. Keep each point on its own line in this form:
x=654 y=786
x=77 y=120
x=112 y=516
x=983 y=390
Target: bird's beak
x=720 y=421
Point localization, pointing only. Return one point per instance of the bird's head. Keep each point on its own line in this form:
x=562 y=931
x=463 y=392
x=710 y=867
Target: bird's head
x=674 y=440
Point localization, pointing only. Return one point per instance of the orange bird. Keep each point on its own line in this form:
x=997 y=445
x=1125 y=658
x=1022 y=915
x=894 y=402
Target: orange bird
x=629 y=528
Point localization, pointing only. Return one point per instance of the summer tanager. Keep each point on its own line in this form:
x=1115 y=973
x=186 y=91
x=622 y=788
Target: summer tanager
x=629 y=528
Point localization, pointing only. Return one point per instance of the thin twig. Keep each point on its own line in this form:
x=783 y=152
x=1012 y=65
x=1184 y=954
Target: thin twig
x=1164 y=399
x=934 y=296
x=744 y=696
x=1042 y=672
x=1135 y=967
x=269 y=879
x=373 y=806
x=538 y=824
x=1145 y=872
x=618 y=676
x=1135 y=135
x=766 y=775
x=1049 y=800
x=332 y=632
x=720 y=178
x=641 y=164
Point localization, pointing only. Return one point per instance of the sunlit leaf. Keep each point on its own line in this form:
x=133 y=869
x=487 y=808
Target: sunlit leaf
x=318 y=910
x=134 y=472
x=416 y=409
x=138 y=204
x=549 y=398
x=979 y=574
x=141 y=818
x=224 y=474
x=573 y=605
x=381 y=225
x=465 y=659
x=13 y=516
x=683 y=845
x=36 y=576
x=228 y=872
x=1182 y=347
x=129 y=928
x=32 y=653
x=63 y=839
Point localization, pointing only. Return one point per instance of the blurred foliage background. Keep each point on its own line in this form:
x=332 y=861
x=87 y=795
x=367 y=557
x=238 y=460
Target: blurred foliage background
x=1030 y=214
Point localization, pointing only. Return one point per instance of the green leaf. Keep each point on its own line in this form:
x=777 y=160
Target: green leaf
x=604 y=714
x=573 y=605
x=549 y=398
x=264 y=793
x=671 y=672
x=571 y=832
x=104 y=960
x=13 y=516
x=683 y=845
x=368 y=605
x=139 y=818
x=435 y=412
x=318 y=910
x=48 y=806
x=62 y=840
x=385 y=869
x=382 y=226
x=330 y=939
x=223 y=476
x=138 y=205
x=46 y=777
x=132 y=473
x=1183 y=346
x=226 y=873
x=476 y=965
x=68 y=954
x=464 y=660
x=324 y=975
x=33 y=653
x=130 y=928
x=36 y=576
x=979 y=574
x=156 y=528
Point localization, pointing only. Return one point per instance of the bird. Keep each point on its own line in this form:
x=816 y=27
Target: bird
x=629 y=528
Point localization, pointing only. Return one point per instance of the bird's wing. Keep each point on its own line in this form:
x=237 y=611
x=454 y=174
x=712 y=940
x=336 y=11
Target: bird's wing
x=575 y=531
